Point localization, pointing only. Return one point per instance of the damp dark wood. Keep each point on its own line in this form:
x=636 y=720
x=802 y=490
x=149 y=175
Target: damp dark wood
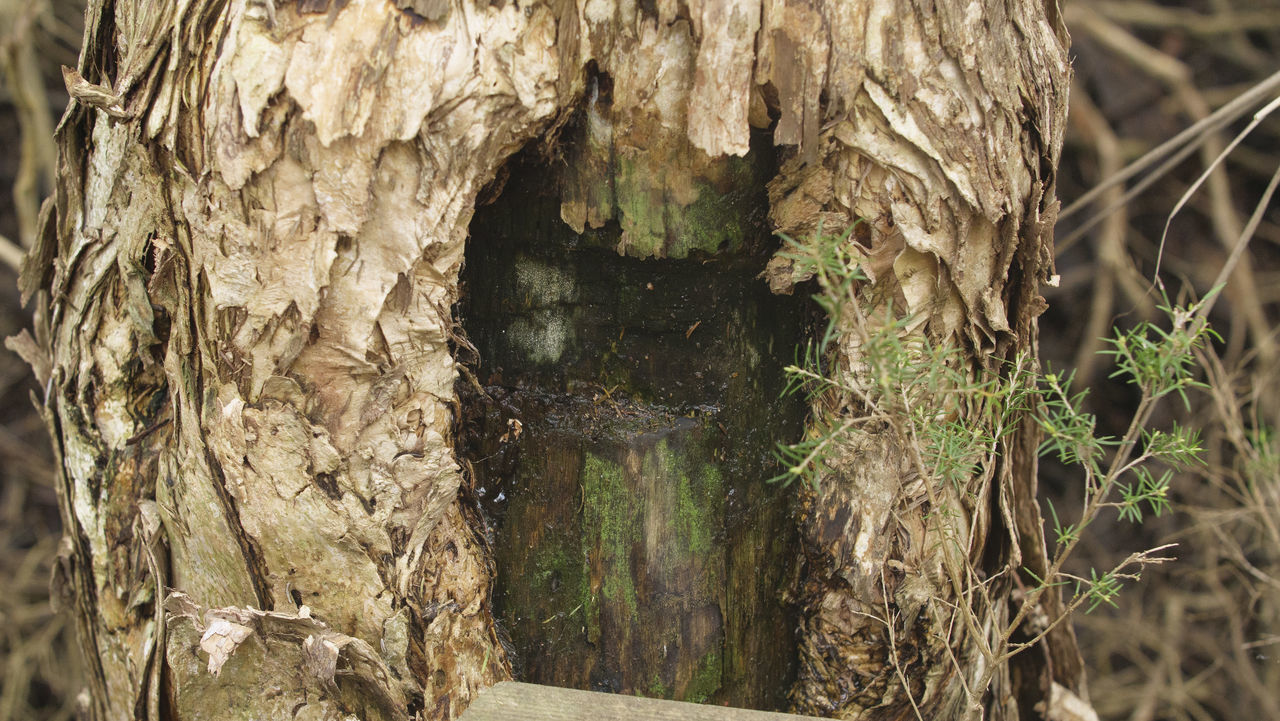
x=622 y=444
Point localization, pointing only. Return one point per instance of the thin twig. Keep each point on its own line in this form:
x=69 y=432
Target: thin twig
x=10 y=254
x=1194 y=135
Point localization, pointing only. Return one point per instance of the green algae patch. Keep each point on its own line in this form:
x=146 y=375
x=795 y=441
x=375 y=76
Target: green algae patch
x=609 y=525
x=698 y=487
x=706 y=680
x=657 y=689
x=696 y=496
x=707 y=213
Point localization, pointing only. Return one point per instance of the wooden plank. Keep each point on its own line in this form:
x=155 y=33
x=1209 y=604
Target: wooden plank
x=514 y=701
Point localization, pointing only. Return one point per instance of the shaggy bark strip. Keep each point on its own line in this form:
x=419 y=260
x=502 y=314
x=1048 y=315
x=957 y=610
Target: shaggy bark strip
x=250 y=311
x=941 y=130
x=243 y=292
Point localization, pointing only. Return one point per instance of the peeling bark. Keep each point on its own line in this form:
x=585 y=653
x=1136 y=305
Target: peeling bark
x=941 y=130
x=243 y=291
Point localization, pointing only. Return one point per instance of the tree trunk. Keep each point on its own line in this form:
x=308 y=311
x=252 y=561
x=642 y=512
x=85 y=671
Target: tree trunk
x=244 y=291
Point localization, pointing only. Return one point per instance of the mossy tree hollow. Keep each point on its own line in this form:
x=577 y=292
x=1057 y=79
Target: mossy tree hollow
x=624 y=438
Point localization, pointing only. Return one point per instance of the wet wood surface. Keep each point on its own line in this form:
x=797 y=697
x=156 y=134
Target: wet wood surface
x=621 y=449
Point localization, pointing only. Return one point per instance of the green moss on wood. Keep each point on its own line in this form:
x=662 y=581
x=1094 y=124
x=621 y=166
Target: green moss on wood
x=699 y=491
x=656 y=225
x=706 y=678
x=609 y=518
x=657 y=689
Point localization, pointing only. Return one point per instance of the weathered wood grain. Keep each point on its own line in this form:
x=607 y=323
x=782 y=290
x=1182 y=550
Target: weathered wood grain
x=512 y=701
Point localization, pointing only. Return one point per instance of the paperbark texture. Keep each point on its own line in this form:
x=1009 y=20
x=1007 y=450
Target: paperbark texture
x=243 y=291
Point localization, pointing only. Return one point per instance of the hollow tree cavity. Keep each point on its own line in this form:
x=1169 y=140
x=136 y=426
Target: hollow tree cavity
x=624 y=436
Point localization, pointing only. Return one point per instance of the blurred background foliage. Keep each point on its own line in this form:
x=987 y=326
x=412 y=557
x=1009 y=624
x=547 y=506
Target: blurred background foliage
x=39 y=663
x=1198 y=639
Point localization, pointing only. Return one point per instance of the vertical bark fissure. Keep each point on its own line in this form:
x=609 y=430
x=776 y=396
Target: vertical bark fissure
x=255 y=568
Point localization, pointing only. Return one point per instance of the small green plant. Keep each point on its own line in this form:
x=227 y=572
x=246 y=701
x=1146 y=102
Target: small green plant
x=950 y=412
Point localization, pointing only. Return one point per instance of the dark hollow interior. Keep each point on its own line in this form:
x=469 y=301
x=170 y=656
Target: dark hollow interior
x=620 y=450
